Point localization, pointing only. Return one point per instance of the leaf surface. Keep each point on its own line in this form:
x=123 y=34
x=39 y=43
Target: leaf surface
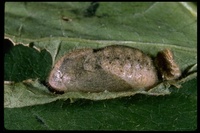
x=57 y=28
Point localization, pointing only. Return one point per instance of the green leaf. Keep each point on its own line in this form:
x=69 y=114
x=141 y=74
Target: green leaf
x=24 y=88
x=23 y=62
x=57 y=28
x=177 y=111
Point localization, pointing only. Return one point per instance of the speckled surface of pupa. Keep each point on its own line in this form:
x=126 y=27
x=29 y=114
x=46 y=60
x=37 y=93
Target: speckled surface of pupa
x=113 y=68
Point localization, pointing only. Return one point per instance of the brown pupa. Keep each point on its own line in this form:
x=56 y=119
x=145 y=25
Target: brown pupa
x=113 y=68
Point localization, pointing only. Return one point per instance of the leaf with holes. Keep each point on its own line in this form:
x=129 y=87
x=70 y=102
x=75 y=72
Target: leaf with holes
x=42 y=37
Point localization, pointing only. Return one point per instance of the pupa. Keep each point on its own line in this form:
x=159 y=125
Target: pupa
x=113 y=68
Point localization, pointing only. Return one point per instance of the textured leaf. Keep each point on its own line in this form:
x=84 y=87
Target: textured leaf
x=57 y=28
